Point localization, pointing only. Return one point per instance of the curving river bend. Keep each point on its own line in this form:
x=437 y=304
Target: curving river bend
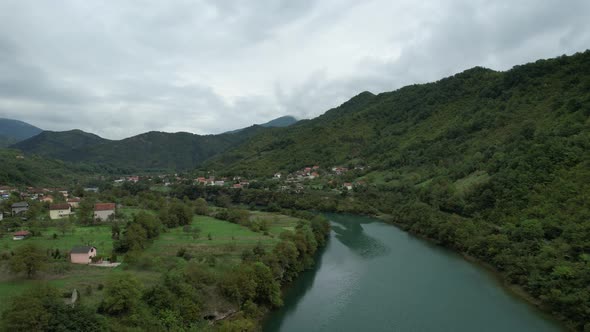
x=375 y=277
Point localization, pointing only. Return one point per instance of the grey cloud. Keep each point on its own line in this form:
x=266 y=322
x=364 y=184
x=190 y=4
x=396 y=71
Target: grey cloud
x=207 y=66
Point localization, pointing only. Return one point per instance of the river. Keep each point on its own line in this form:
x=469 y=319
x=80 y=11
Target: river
x=372 y=276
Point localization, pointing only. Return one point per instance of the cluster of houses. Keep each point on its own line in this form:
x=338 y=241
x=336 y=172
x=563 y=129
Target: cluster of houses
x=295 y=182
x=235 y=182
x=102 y=211
x=133 y=179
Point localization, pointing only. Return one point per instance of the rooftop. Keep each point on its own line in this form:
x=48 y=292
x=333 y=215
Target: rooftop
x=81 y=249
x=104 y=206
x=60 y=206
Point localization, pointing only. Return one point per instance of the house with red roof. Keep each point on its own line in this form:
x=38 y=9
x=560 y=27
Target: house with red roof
x=74 y=202
x=102 y=211
x=20 y=235
x=59 y=211
x=47 y=199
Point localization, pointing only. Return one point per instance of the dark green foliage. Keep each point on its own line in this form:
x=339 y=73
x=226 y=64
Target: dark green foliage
x=42 y=309
x=148 y=151
x=58 y=145
x=175 y=214
x=252 y=282
x=201 y=207
x=138 y=232
x=12 y=131
x=29 y=259
x=122 y=295
x=36 y=171
x=177 y=296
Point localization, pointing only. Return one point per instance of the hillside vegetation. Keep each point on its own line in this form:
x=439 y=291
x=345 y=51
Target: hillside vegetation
x=19 y=170
x=13 y=131
x=148 y=151
x=493 y=164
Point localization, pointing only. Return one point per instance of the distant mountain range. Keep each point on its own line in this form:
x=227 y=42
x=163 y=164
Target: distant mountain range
x=148 y=151
x=283 y=121
x=12 y=131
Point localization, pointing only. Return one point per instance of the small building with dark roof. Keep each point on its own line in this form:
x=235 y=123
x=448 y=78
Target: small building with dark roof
x=82 y=254
x=19 y=207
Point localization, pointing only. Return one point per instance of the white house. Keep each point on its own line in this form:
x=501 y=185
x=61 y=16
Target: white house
x=59 y=211
x=102 y=211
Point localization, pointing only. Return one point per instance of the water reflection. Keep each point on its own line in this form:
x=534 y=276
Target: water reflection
x=301 y=286
x=353 y=236
x=374 y=277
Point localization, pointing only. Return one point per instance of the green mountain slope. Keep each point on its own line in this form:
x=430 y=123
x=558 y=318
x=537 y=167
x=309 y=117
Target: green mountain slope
x=59 y=144
x=422 y=126
x=31 y=170
x=492 y=164
x=283 y=121
x=12 y=131
x=148 y=151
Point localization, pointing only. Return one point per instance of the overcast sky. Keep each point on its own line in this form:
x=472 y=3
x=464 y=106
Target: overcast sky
x=119 y=68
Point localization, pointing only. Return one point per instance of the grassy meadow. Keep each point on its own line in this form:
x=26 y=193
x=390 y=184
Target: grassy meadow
x=218 y=244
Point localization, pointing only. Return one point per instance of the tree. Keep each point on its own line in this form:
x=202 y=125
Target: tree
x=42 y=309
x=150 y=223
x=122 y=295
x=223 y=201
x=201 y=207
x=135 y=237
x=28 y=258
x=86 y=211
x=176 y=214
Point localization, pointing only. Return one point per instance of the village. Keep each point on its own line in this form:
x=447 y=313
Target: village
x=21 y=206
x=78 y=238
x=79 y=254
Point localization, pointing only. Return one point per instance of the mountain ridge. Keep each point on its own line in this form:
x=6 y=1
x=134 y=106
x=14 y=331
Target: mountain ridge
x=13 y=131
x=153 y=150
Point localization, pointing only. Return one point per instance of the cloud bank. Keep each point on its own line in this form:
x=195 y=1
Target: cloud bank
x=120 y=68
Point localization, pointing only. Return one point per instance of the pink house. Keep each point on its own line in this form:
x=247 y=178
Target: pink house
x=82 y=254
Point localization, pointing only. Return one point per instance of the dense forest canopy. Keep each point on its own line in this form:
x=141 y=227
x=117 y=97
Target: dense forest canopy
x=493 y=164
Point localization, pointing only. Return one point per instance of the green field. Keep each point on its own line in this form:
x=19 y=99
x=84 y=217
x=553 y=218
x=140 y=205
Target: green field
x=226 y=245
x=97 y=236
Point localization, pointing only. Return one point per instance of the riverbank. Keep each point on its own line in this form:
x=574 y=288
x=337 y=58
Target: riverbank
x=514 y=289
x=376 y=277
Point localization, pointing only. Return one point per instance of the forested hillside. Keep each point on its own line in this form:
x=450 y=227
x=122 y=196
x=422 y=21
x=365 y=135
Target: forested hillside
x=13 y=131
x=493 y=164
x=59 y=144
x=18 y=170
x=145 y=152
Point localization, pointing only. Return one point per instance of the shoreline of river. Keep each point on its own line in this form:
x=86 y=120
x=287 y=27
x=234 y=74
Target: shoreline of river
x=513 y=289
